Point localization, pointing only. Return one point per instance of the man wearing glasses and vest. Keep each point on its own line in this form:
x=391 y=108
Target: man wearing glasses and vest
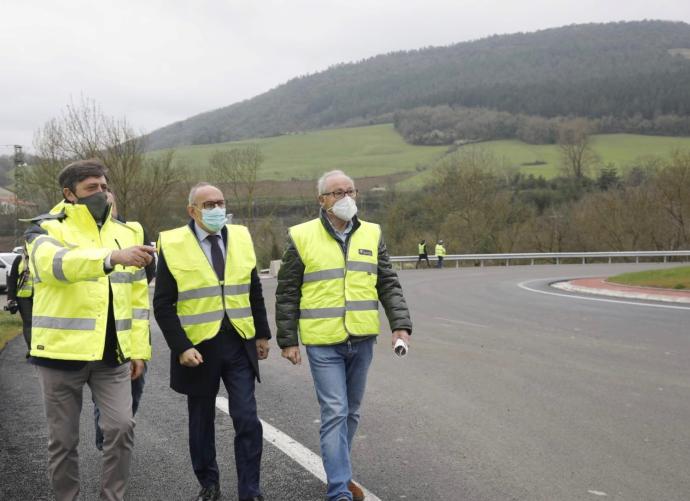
x=209 y=304
x=89 y=324
x=334 y=272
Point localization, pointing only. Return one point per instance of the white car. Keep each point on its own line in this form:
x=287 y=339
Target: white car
x=6 y=260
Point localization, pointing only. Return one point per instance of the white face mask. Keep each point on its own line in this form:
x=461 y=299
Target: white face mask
x=345 y=208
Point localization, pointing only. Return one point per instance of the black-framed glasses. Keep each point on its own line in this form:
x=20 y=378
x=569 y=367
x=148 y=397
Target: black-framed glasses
x=338 y=194
x=212 y=204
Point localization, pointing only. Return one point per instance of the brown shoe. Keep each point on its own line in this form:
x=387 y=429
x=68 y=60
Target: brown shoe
x=356 y=490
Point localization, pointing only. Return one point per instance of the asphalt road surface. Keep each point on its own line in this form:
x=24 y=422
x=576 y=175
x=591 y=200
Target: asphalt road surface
x=507 y=394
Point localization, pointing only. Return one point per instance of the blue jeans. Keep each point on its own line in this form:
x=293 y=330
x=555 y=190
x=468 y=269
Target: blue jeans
x=340 y=377
x=137 y=391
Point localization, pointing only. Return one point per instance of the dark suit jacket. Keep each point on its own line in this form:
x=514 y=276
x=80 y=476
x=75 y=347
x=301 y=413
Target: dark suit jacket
x=203 y=380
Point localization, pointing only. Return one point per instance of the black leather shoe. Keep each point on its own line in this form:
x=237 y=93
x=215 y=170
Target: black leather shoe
x=211 y=493
x=255 y=498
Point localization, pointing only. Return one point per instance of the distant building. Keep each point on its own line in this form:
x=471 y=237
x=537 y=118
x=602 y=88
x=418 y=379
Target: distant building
x=9 y=201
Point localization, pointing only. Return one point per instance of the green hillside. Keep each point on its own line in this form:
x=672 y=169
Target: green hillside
x=361 y=151
x=620 y=70
x=379 y=150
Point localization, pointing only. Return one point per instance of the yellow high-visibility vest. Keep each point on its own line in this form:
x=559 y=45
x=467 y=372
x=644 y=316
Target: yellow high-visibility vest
x=203 y=300
x=440 y=250
x=420 y=247
x=339 y=297
x=72 y=288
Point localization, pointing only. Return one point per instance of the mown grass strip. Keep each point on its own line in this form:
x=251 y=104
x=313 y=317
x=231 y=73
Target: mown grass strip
x=672 y=278
x=10 y=327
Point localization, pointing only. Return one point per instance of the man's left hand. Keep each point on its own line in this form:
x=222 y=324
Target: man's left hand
x=137 y=368
x=262 y=348
x=400 y=334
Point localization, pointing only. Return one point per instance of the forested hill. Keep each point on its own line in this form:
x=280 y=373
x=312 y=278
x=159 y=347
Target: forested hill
x=592 y=70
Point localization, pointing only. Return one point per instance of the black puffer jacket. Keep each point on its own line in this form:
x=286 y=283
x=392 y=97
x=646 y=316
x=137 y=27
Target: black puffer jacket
x=289 y=290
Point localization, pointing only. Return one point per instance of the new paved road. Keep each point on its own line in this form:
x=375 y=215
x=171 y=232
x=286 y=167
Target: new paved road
x=506 y=394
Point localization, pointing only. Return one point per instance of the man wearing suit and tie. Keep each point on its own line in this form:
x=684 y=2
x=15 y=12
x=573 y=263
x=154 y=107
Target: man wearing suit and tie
x=209 y=304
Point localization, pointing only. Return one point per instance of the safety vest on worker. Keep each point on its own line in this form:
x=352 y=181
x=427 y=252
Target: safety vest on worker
x=25 y=283
x=339 y=297
x=72 y=288
x=421 y=248
x=440 y=250
x=203 y=300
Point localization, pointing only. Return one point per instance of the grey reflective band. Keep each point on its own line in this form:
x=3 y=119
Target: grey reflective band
x=140 y=274
x=140 y=313
x=362 y=266
x=201 y=318
x=234 y=290
x=211 y=291
x=58 y=272
x=73 y=324
x=120 y=277
x=239 y=312
x=37 y=243
x=123 y=325
x=323 y=275
x=362 y=305
x=322 y=313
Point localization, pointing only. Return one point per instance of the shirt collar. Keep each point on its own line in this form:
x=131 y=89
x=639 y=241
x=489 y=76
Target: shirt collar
x=201 y=234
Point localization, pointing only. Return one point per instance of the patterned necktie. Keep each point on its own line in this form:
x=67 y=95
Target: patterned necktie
x=217 y=256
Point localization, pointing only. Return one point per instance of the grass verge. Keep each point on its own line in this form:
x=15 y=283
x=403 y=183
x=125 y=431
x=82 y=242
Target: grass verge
x=10 y=327
x=673 y=278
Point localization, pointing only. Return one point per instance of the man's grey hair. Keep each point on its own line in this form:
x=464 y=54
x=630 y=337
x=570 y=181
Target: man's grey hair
x=195 y=188
x=321 y=184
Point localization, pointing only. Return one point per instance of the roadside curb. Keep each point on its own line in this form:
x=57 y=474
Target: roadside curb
x=599 y=286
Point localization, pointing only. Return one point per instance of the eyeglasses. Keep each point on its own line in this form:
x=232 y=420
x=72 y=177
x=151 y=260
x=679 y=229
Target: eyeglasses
x=212 y=204
x=338 y=194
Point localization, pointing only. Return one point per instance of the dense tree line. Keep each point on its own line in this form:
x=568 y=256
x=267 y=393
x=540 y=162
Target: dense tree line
x=444 y=124
x=594 y=70
x=476 y=207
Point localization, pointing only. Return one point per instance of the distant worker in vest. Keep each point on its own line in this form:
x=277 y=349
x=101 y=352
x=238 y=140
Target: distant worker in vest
x=20 y=293
x=440 y=252
x=140 y=297
x=423 y=254
x=334 y=272
x=87 y=327
x=209 y=304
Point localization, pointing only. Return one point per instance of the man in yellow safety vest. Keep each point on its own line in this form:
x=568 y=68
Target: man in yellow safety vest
x=334 y=272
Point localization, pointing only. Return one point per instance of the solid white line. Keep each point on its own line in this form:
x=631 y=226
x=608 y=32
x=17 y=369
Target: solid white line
x=523 y=285
x=299 y=453
x=460 y=322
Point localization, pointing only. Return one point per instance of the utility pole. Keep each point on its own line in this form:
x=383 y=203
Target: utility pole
x=18 y=185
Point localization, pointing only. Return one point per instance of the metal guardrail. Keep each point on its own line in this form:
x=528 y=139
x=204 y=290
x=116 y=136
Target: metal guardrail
x=556 y=257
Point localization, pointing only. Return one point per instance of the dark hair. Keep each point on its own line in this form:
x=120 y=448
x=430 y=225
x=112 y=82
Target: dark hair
x=77 y=171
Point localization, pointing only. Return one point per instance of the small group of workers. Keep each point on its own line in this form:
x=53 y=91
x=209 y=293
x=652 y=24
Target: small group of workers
x=84 y=293
x=439 y=250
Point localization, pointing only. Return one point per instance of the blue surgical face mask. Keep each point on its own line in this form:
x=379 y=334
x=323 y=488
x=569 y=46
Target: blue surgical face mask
x=214 y=219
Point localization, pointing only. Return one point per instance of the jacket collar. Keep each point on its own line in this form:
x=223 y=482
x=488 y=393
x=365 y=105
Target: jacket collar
x=329 y=228
x=223 y=232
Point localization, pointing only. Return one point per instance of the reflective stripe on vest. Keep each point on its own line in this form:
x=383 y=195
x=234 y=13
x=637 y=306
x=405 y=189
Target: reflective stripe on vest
x=203 y=301
x=338 y=296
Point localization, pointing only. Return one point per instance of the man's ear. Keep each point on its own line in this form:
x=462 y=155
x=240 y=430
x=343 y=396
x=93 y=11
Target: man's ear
x=69 y=196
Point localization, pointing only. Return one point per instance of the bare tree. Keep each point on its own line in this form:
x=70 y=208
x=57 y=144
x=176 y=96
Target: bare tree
x=577 y=156
x=141 y=183
x=238 y=168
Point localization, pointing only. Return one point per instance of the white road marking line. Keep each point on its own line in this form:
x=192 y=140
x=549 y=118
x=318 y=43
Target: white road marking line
x=597 y=493
x=523 y=285
x=299 y=453
x=460 y=322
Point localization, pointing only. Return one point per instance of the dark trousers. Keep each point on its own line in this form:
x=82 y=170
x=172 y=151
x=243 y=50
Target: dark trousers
x=419 y=260
x=238 y=376
x=26 y=305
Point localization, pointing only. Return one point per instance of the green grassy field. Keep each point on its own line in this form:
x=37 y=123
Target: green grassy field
x=10 y=326
x=378 y=150
x=361 y=151
x=674 y=278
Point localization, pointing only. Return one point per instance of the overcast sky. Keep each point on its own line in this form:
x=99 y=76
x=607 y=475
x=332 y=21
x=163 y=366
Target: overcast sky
x=160 y=61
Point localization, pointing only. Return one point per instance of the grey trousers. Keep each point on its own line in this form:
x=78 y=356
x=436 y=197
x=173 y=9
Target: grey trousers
x=62 y=397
